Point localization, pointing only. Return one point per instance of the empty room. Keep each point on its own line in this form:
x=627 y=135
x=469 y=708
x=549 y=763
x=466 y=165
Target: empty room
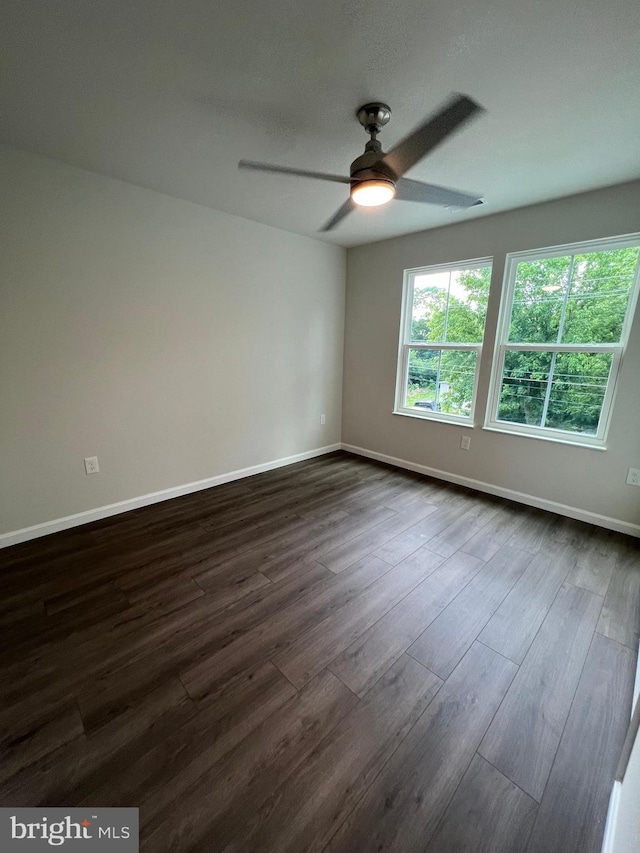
x=319 y=426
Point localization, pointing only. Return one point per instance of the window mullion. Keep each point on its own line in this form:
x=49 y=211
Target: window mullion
x=446 y=314
x=563 y=312
x=438 y=377
x=452 y=346
x=525 y=347
x=547 y=395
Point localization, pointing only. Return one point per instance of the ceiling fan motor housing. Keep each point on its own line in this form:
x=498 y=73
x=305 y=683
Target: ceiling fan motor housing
x=368 y=167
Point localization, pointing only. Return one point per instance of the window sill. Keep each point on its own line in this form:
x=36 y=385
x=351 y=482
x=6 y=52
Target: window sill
x=573 y=443
x=462 y=422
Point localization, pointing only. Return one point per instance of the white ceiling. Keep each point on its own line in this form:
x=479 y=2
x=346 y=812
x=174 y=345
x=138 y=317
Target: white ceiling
x=170 y=95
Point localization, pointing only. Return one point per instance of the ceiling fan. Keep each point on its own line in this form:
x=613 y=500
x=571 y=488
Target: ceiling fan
x=376 y=177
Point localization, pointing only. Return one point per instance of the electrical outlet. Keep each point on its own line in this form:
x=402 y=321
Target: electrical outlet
x=633 y=477
x=465 y=442
x=91 y=465
x=323 y=420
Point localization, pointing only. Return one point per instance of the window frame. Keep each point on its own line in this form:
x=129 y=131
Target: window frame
x=405 y=345
x=503 y=345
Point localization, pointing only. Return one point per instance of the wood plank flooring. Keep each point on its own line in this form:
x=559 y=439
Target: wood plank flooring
x=336 y=656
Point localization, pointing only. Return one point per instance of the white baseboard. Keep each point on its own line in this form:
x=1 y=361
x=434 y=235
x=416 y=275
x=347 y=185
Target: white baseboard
x=47 y=527
x=520 y=497
x=608 y=842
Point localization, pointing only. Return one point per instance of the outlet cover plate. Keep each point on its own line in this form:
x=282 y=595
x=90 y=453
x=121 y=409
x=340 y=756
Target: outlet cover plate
x=465 y=442
x=633 y=477
x=91 y=465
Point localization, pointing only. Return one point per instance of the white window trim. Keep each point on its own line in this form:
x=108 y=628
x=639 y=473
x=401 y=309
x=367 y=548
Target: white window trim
x=405 y=345
x=502 y=345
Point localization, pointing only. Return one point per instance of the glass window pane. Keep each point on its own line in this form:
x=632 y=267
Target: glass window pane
x=421 y=379
x=430 y=298
x=564 y=392
x=597 y=303
x=441 y=381
x=450 y=306
x=577 y=391
x=538 y=296
x=457 y=375
x=525 y=377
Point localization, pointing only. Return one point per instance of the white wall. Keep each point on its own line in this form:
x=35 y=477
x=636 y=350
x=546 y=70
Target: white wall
x=589 y=480
x=174 y=342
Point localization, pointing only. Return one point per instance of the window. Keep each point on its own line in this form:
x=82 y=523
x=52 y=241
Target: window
x=564 y=322
x=443 y=315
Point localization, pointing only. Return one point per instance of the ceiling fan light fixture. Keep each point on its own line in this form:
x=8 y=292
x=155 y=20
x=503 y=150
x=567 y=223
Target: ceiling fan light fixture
x=376 y=177
x=372 y=193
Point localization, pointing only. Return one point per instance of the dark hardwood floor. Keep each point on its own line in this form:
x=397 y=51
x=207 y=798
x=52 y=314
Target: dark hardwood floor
x=334 y=656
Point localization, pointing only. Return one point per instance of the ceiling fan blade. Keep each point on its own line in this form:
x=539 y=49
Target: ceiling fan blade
x=285 y=170
x=430 y=134
x=407 y=190
x=339 y=215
